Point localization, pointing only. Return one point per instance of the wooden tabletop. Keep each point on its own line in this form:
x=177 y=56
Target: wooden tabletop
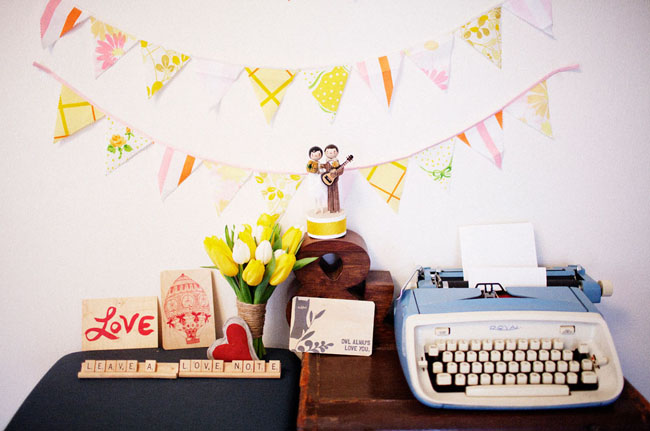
x=351 y=392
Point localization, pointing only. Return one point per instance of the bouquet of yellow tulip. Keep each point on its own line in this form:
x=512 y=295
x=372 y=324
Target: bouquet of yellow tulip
x=254 y=261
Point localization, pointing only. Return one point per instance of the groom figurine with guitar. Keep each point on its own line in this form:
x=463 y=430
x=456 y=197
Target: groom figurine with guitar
x=331 y=177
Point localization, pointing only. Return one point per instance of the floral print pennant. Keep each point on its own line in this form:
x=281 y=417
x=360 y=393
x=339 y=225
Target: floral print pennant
x=162 y=65
x=110 y=45
x=484 y=34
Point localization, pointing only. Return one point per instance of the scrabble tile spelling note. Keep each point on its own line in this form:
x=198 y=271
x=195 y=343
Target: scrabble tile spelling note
x=119 y=323
x=335 y=326
x=187 y=309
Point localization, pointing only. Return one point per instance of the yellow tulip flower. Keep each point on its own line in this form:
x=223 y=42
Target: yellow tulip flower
x=253 y=273
x=283 y=266
x=291 y=240
x=221 y=256
x=267 y=220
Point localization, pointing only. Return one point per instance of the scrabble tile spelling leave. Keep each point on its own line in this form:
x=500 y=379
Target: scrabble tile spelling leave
x=335 y=326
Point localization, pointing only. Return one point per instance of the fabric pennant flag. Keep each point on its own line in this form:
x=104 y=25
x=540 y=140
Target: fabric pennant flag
x=434 y=59
x=381 y=74
x=122 y=144
x=277 y=190
x=217 y=77
x=327 y=86
x=388 y=181
x=161 y=65
x=484 y=34
x=538 y=13
x=227 y=181
x=110 y=45
x=174 y=169
x=74 y=113
x=436 y=162
x=59 y=17
x=269 y=86
x=487 y=138
x=532 y=109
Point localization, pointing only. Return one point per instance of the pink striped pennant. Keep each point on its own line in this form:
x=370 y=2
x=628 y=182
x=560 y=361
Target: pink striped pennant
x=381 y=74
x=487 y=138
x=537 y=13
x=174 y=169
x=59 y=17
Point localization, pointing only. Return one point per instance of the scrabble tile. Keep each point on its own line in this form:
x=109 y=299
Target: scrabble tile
x=249 y=366
x=217 y=366
x=132 y=366
x=111 y=366
x=121 y=366
x=150 y=366
x=237 y=366
x=206 y=365
x=100 y=366
x=196 y=365
x=274 y=366
x=185 y=365
x=88 y=366
x=260 y=366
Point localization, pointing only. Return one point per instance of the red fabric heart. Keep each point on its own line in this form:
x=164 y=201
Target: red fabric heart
x=235 y=345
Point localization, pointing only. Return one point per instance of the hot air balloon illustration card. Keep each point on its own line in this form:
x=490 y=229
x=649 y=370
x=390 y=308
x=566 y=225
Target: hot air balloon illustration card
x=187 y=309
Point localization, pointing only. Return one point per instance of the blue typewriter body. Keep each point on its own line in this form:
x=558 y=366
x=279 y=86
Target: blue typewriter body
x=442 y=313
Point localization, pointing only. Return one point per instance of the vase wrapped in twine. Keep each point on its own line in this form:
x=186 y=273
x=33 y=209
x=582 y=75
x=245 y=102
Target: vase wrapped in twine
x=253 y=315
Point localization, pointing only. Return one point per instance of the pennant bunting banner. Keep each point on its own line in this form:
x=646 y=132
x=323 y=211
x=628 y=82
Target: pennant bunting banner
x=532 y=109
x=382 y=74
x=217 y=77
x=538 y=13
x=436 y=162
x=122 y=144
x=484 y=34
x=487 y=138
x=110 y=45
x=174 y=169
x=434 y=59
x=74 y=113
x=161 y=65
x=59 y=17
x=227 y=180
x=388 y=181
x=269 y=86
x=327 y=86
x=277 y=189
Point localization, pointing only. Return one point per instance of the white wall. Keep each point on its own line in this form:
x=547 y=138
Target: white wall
x=69 y=232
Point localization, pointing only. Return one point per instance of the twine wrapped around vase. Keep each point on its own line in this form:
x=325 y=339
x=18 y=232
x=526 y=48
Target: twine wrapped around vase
x=253 y=315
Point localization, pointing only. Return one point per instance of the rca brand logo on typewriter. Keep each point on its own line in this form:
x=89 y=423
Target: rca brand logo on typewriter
x=504 y=327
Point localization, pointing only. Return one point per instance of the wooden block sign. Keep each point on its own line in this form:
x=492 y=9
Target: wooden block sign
x=119 y=323
x=187 y=309
x=335 y=326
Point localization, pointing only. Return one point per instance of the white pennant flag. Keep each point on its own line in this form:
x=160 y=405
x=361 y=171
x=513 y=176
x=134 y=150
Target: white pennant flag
x=174 y=169
x=382 y=74
x=217 y=77
x=434 y=59
x=538 y=13
x=122 y=144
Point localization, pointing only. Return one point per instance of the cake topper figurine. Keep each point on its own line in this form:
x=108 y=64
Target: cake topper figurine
x=317 y=189
x=331 y=222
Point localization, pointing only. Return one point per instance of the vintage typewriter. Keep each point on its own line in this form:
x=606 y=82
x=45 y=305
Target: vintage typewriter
x=494 y=348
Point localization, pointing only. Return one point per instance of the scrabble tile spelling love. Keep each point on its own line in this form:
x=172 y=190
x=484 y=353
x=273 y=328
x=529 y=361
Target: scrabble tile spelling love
x=335 y=326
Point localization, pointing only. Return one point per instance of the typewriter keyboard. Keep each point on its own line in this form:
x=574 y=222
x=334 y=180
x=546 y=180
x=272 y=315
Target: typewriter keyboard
x=511 y=367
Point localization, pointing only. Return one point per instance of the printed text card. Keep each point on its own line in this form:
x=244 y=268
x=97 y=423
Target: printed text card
x=335 y=326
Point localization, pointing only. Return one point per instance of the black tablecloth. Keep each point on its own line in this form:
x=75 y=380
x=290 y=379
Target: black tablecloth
x=63 y=401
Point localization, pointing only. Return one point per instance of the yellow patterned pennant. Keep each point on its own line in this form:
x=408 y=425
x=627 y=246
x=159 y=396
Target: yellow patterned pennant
x=388 y=181
x=484 y=34
x=277 y=190
x=227 y=180
x=327 y=85
x=532 y=109
x=436 y=162
x=74 y=113
x=269 y=86
x=162 y=65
